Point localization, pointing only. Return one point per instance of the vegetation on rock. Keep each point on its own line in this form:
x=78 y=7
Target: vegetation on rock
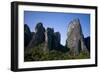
x=44 y=44
x=37 y=54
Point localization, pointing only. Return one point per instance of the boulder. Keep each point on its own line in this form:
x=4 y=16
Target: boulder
x=75 y=38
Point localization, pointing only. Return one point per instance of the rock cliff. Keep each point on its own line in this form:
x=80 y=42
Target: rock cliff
x=75 y=39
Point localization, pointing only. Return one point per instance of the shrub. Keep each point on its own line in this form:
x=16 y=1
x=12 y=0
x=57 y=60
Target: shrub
x=37 y=54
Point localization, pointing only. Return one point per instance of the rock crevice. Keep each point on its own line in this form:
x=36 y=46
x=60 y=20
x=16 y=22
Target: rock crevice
x=75 y=40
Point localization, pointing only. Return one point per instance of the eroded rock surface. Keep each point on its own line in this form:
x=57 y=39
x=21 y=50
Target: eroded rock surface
x=75 y=39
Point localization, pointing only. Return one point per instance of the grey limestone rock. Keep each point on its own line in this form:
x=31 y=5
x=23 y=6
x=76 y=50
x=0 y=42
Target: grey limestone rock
x=75 y=39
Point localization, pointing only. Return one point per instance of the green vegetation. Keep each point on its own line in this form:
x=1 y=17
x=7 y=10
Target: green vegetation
x=37 y=54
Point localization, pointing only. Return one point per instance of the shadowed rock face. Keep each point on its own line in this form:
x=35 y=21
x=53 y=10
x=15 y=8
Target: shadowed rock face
x=49 y=38
x=38 y=36
x=27 y=35
x=75 y=40
x=87 y=43
x=57 y=39
x=40 y=33
x=52 y=40
x=74 y=43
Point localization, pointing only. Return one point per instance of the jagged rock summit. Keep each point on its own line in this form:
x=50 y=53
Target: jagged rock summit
x=38 y=37
x=27 y=35
x=75 y=38
x=47 y=36
x=52 y=39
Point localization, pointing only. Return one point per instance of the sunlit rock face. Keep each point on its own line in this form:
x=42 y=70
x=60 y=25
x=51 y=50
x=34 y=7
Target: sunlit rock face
x=75 y=38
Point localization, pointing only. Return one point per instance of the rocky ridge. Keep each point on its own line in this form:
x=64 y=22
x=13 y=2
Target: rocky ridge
x=75 y=42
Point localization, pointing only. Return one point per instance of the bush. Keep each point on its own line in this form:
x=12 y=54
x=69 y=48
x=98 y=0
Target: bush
x=37 y=54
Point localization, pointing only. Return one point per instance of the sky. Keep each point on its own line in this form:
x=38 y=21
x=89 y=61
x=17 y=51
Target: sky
x=58 y=21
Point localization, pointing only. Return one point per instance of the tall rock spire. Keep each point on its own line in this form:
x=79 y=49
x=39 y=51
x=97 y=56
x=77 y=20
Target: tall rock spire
x=38 y=37
x=75 y=40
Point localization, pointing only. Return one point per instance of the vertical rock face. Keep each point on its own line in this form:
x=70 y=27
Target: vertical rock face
x=40 y=33
x=27 y=35
x=38 y=36
x=52 y=40
x=49 y=38
x=57 y=39
x=75 y=39
x=87 y=43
